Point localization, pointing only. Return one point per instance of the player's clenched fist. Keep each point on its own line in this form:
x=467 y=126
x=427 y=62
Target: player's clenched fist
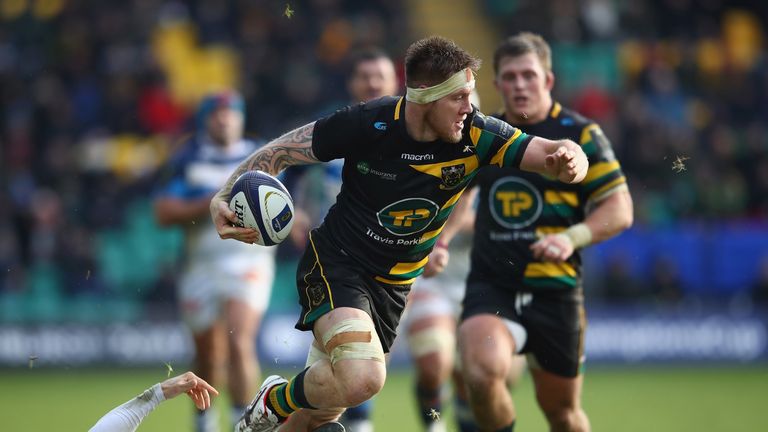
x=568 y=163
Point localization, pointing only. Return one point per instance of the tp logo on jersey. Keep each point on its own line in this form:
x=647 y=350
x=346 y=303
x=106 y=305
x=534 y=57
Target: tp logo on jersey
x=407 y=216
x=380 y=126
x=514 y=202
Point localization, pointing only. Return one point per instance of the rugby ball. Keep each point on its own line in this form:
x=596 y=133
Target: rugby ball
x=261 y=202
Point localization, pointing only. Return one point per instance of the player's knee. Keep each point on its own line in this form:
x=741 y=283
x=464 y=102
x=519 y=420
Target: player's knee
x=433 y=349
x=315 y=355
x=357 y=357
x=482 y=371
x=364 y=386
x=480 y=379
x=431 y=340
x=353 y=339
x=562 y=411
x=565 y=418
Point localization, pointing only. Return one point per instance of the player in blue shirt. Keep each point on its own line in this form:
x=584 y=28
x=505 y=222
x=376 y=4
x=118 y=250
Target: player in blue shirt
x=224 y=287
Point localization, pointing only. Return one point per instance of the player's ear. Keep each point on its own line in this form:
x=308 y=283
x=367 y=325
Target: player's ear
x=550 y=80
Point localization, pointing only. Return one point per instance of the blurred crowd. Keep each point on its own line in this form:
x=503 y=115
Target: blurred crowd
x=94 y=97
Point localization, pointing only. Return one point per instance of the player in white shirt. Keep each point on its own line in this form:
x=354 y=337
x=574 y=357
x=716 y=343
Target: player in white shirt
x=225 y=286
x=128 y=416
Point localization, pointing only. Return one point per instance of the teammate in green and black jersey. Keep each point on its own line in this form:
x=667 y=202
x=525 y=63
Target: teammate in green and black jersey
x=407 y=160
x=517 y=208
x=524 y=291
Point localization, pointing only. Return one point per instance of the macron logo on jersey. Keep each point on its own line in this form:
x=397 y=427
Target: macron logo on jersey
x=380 y=126
x=417 y=157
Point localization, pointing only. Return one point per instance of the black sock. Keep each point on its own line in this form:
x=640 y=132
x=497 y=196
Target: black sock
x=430 y=404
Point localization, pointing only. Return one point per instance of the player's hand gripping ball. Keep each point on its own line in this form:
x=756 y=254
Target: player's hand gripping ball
x=262 y=203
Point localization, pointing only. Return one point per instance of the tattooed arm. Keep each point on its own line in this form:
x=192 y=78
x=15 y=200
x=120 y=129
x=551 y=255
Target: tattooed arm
x=293 y=148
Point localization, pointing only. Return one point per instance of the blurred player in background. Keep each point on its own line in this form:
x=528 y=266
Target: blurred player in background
x=524 y=290
x=407 y=162
x=371 y=76
x=128 y=416
x=430 y=321
x=225 y=286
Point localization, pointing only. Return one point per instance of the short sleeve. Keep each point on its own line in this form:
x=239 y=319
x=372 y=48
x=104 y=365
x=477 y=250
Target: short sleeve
x=497 y=142
x=337 y=135
x=604 y=174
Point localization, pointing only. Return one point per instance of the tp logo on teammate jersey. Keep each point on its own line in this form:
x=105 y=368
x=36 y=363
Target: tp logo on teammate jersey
x=407 y=216
x=514 y=202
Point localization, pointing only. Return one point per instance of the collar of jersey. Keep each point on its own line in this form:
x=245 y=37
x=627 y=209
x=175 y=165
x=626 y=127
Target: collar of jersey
x=554 y=112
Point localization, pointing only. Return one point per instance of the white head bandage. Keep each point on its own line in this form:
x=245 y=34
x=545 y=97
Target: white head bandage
x=464 y=78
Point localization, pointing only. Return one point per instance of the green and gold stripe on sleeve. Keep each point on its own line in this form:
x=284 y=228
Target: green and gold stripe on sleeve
x=484 y=140
x=508 y=152
x=601 y=177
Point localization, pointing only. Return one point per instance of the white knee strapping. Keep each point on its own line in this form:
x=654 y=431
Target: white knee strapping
x=315 y=354
x=430 y=340
x=353 y=339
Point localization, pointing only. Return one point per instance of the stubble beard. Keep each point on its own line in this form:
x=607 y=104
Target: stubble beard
x=447 y=136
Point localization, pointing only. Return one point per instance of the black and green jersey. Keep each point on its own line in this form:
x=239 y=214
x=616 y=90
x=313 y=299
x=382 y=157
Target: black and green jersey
x=517 y=207
x=397 y=193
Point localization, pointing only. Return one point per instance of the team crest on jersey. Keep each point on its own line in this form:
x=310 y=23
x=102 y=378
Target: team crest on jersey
x=452 y=176
x=363 y=167
x=316 y=294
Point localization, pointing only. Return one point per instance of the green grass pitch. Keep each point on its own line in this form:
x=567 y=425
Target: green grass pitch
x=675 y=399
